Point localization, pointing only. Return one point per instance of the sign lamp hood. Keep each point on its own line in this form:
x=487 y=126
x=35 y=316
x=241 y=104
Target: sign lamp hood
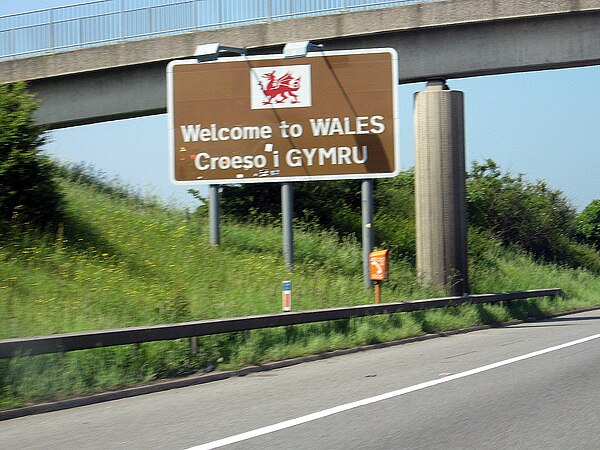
x=300 y=49
x=210 y=52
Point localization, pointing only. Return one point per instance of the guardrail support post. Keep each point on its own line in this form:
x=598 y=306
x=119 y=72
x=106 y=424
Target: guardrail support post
x=194 y=345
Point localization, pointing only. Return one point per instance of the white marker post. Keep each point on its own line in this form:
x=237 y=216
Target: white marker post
x=286 y=296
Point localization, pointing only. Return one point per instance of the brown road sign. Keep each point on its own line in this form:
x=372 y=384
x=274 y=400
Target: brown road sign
x=330 y=115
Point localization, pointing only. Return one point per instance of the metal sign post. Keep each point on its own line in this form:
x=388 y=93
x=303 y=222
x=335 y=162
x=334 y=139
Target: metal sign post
x=214 y=214
x=367 y=227
x=287 y=224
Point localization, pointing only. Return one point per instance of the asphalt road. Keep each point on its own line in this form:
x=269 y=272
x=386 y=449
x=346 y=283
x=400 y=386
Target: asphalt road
x=526 y=386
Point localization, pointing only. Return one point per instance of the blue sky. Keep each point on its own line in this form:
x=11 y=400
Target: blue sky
x=543 y=124
x=16 y=6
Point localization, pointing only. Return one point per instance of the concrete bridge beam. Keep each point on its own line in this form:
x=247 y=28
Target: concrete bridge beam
x=445 y=39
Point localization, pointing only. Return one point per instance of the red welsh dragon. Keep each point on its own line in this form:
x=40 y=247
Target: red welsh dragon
x=280 y=89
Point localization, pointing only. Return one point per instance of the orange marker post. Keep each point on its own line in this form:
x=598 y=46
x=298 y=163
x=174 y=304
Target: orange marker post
x=378 y=263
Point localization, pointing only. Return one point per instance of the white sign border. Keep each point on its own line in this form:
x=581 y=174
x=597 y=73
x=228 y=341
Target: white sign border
x=277 y=179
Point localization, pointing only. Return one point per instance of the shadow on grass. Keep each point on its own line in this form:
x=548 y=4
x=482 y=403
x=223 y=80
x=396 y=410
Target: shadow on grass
x=84 y=236
x=439 y=319
x=525 y=308
x=486 y=316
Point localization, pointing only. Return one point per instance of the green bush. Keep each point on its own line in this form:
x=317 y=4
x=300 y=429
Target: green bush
x=588 y=224
x=29 y=193
x=332 y=205
x=530 y=216
x=326 y=204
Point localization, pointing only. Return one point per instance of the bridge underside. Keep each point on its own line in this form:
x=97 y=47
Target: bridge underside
x=128 y=79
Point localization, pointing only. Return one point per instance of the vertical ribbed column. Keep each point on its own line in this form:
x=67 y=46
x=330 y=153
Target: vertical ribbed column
x=441 y=212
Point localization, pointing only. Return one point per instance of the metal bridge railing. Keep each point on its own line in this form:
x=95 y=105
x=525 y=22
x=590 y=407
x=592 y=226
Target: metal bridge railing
x=108 y=21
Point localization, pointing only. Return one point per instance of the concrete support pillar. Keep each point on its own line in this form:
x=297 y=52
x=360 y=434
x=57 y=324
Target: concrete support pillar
x=441 y=206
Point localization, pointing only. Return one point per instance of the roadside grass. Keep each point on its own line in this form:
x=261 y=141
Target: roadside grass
x=120 y=261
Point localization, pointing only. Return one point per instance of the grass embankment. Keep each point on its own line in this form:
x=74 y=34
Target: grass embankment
x=121 y=262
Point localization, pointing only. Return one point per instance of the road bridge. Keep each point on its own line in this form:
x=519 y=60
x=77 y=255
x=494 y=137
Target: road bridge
x=442 y=39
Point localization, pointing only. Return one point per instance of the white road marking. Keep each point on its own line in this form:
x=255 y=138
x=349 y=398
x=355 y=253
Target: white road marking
x=367 y=401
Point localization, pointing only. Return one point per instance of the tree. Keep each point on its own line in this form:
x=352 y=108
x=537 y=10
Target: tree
x=520 y=213
x=29 y=192
x=588 y=224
